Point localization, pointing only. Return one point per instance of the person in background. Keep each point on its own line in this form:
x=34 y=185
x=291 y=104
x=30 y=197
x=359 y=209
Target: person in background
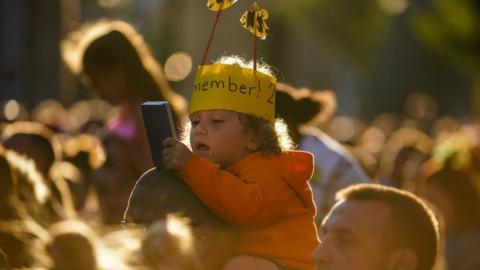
x=169 y=244
x=37 y=144
x=374 y=227
x=34 y=140
x=335 y=167
x=72 y=246
x=455 y=195
x=114 y=61
x=19 y=232
x=85 y=153
x=8 y=192
x=401 y=158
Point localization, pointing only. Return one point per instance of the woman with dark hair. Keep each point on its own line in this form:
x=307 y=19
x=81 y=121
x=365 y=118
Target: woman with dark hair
x=116 y=63
x=335 y=168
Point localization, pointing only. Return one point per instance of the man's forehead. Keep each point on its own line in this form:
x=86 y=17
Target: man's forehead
x=360 y=217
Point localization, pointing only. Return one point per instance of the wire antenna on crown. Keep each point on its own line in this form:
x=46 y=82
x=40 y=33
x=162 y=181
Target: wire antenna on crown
x=249 y=91
x=218 y=6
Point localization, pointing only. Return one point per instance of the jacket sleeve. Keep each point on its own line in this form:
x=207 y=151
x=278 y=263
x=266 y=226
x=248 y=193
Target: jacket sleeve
x=248 y=202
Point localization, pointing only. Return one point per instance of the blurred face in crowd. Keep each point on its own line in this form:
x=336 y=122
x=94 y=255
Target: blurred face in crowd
x=438 y=197
x=35 y=147
x=352 y=237
x=111 y=85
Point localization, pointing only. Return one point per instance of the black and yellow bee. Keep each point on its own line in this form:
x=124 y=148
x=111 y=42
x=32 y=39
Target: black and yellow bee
x=254 y=21
x=216 y=5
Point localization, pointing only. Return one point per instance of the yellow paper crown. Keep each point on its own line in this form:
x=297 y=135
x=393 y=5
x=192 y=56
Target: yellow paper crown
x=234 y=88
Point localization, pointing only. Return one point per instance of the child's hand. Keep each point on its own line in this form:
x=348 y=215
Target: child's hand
x=175 y=154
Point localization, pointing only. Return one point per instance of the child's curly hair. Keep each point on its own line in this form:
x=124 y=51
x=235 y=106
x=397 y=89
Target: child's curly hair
x=274 y=139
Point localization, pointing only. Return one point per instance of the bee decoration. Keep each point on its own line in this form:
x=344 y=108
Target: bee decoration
x=216 y=5
x=254 y=21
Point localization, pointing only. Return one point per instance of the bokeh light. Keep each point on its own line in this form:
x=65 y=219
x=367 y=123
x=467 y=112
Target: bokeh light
x=178 y=66
x=111 y=4
x=50 y=112
x=373 y=140
x=387 y=122
x=393 y=7
x=11 y=110
x=346 y=129
x=421 y=106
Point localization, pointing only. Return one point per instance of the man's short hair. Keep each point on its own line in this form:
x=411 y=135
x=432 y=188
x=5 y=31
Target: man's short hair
x=159 y=192
x=412 y=223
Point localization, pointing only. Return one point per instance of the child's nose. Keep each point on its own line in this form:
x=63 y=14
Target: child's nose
x=200 y=130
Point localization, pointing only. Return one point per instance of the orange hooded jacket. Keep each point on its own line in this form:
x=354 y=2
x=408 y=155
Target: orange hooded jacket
x=267 y=199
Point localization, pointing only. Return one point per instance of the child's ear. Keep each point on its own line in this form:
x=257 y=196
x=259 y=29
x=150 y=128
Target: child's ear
x=253 y=143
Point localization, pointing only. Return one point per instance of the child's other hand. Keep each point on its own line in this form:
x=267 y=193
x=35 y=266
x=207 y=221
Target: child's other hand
x=175 y=154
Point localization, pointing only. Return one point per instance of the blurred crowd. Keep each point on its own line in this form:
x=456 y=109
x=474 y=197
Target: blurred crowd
x=67 y=172
x=55 y=205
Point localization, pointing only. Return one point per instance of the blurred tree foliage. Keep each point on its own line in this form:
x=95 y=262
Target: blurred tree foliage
x=452 y=29
x=355 y=27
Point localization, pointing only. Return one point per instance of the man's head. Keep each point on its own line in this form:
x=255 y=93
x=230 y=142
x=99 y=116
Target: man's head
x=159 y=192
x=377 y=228
x=35 y=141
x=72 y=246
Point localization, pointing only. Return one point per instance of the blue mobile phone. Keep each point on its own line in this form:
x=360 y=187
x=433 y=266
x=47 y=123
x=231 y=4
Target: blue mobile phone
x=159 y=125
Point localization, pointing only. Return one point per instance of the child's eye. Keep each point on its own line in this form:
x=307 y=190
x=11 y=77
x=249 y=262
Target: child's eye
x=194 y=123
x=217 y=121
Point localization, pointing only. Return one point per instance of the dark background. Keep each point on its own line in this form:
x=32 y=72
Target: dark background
x=371 y=53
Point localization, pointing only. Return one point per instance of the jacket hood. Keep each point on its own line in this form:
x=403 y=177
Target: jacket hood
x=299 y=166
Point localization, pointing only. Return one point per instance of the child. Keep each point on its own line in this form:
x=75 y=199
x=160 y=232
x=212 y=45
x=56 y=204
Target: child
x=239 y=169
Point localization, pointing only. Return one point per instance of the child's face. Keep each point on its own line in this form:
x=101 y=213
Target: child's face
x=220 y=137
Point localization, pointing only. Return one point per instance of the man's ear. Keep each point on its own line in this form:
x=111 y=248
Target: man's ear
x=404 y=259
